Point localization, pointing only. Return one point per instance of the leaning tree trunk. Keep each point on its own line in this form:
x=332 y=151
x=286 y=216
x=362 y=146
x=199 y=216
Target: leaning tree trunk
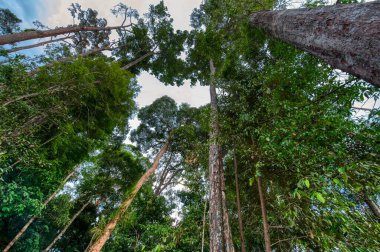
x=25 y=227
x=22 y=36
x=59 y=236
x=111 y=225
x=345 y=36
x=240 y=218
x=264 y=216
x=16 y=49
x=220 y=234
x=371 y=205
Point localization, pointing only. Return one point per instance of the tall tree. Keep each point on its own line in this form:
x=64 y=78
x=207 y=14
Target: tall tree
x=345 y=36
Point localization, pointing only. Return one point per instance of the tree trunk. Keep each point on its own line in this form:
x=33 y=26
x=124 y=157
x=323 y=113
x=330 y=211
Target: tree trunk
x=345 y=36
x=241 y=230
x=16 y=49
x=111 y=225
x=22 y=36
x=59 y=236
x=264 y=216
x=372 y=206
x=220 y=233
x=25 y=227
x=138 y=60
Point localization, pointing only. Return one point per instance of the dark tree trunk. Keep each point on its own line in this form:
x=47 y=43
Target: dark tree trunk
x=220 y=233
x=264 y=216
x=111 y=225
x=22 y=36
x=240 y=218
x=31 y=220
x=371 y=205
x=345 y=36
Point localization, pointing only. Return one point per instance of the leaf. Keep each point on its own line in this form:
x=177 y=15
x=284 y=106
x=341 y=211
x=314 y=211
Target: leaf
x=307 y=183
x=320 y=197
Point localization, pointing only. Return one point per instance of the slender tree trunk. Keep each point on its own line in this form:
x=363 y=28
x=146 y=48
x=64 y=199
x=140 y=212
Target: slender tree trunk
x=264 y=216
x=59 y=236
x=220 y=232
x=241 y=230
x=16 y=49
x=345 y=36
x=31 y=220
x=22 y=36
x=111 y=225
x=226 y=223
x=204 y=226
x=138 y=60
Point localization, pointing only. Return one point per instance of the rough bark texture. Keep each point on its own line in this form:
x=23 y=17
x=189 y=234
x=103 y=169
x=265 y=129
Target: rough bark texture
x=59 y=236
x=264 y=216
x=220 y=232
x=22 y=36
x=25 y=227
x=16 y=49
x=111 y=225
x=240 y=218
x=345 y=36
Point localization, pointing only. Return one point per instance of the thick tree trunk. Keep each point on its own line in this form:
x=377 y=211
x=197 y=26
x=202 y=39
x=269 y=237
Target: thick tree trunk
x=240 y=218
x=138 y=60
x=111 y=225
x=25 y=227
x=345 y=36
x=220 y=233
x=264 y=216
x=59 y=236
x=22 y=36
x=16 y=49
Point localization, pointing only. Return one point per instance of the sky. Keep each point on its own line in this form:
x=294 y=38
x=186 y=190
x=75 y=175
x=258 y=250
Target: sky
x=54 y=13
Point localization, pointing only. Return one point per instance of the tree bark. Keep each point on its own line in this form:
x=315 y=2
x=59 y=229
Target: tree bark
x=52 y=196
x=372 y=206
x=16 y=49
x=22 y=36
x=220 y=232
x=111 y=225
x=240 y=218
x=264 y=216
x=59 y=236
x=345 y=36
x=138 y=60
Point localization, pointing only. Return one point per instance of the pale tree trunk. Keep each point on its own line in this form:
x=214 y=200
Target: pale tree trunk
x=264 y=216
x=345 y=36
x=16 y=49
x=22 y=36
x=31 y=220
x=138 y=60
x=111 y=225
x=59 y=236
x=220 y=233
x=240 y=218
